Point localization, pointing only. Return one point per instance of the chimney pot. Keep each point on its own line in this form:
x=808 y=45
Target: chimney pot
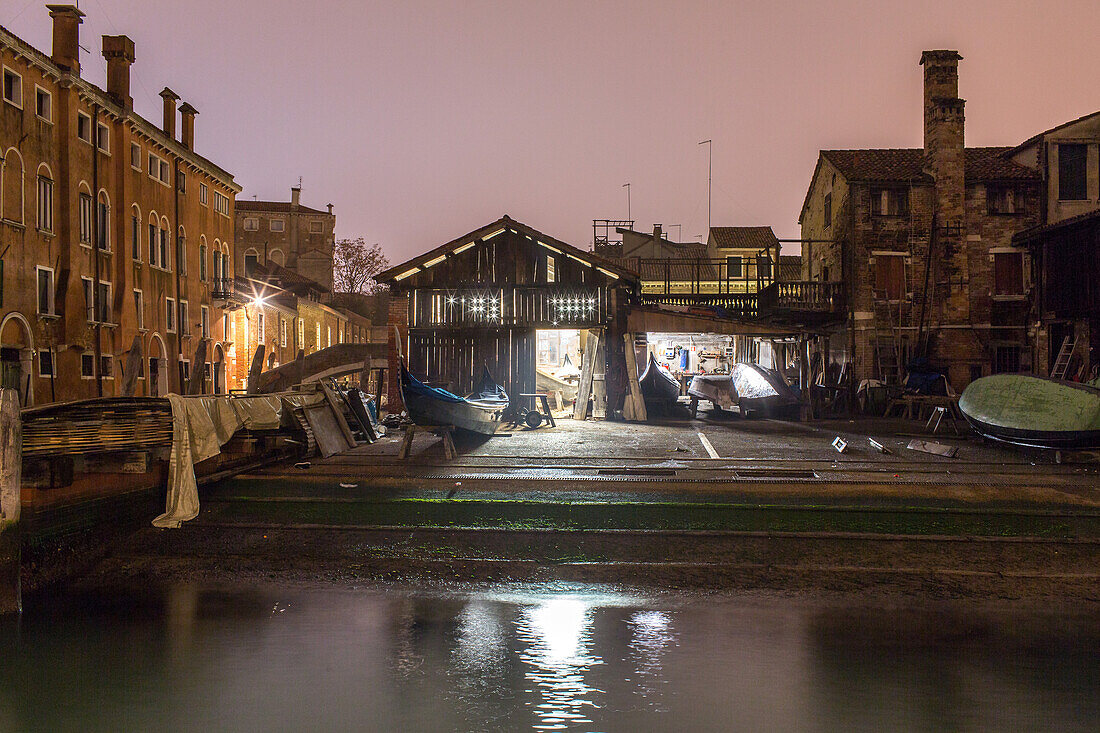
x=329 y=208
x=66 y=36
x=119 y=52
x=656 y=231
x=170 y=98
x=187 y=131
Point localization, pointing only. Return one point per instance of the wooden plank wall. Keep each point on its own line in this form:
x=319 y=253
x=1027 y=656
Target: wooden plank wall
x=453 y=359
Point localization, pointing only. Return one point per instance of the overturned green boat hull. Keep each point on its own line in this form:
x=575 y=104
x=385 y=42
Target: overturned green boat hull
x=1033 y=411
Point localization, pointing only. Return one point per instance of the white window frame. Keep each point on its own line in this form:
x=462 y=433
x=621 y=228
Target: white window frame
x=204 y=321
x=52 y=291
x=90 y=355
x=107 y=360
x=53 y=366
x=251 y=224
x=170 y=314
x=261 y=327
x=139 y=308
x=316 y=227
x=86 y=227
x=272 y=222
x=301 y=333
x=317 y=336
x=48 y=117
x=3 y=92
x=184 y=325
x=135 y=235
x=135 y=146
x=221 y=203
x=88 y=118
x=202 y=193
x=45 y=215
x=103 y=132
x=282 y=332
x=165 y=174
x=154 y=166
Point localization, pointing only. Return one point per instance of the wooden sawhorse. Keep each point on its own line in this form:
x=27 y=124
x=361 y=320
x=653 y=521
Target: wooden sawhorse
x=412 y=430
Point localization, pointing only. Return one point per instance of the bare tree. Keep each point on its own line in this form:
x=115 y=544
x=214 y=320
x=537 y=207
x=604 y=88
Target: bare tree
x=355 y=264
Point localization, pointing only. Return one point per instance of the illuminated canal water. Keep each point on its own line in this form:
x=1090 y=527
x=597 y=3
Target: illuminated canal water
x=537 y=658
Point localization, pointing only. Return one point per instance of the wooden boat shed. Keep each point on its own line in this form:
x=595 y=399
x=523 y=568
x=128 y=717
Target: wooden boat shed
x=480 y=298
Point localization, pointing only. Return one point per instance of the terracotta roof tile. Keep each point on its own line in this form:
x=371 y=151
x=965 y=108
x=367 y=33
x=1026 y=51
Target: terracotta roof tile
x=744 y=237
x=279 y=207
x=908 y=164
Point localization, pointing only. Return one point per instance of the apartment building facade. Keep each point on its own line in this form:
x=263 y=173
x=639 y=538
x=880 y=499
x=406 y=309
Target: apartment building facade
x=288 y=234
x=116 y=237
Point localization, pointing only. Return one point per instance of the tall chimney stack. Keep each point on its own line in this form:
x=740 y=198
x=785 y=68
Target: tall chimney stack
x=170 y=98
x=187 y=118
x=295 y=196
x=119 y=52
x=66 y=36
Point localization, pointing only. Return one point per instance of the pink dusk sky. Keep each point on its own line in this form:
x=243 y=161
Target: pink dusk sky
x=423 y=120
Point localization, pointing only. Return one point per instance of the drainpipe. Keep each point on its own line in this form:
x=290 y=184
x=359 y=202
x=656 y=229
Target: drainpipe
x=97 y=367
x=179 y=253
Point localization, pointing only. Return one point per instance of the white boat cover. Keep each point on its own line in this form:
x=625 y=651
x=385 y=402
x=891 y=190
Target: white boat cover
x=200 y=427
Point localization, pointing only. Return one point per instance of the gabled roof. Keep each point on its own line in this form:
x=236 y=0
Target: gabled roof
x=1041 y=135
x=504 y=223
x=1030 y=236
x=687 y=250
x=275 y=274
x=278 y=207
x=756 y=238
x=908 y=165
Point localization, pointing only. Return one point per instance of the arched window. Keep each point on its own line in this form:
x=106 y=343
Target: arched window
x=202 y=258
x=135 y=233
x=251 y=259
x=45 y=198
x=181 y=251
x=217 y=263
x=277 y=256
x=11 y=186
x=153 y=247
x=103 y=232
x=162 y=244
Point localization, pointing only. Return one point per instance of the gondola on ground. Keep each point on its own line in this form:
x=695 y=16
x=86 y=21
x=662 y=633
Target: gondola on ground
x=479 y=412
x=1033 y=411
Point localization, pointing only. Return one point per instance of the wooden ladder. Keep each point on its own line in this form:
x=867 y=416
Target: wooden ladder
x=1061 y=364
x=890 y=368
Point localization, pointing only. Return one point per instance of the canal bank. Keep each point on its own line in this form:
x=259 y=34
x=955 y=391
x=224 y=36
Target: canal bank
x=652 y=508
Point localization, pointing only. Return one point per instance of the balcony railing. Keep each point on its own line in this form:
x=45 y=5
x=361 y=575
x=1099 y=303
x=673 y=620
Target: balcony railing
x=221 y=287
x=803 y=297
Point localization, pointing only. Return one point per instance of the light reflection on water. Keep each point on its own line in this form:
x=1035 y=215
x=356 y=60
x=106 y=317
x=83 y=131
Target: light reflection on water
x=542 y=658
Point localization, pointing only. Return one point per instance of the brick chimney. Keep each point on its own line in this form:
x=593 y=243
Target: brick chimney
x=187 y=124
x=66 y=36
x=657 y=231
x=943 y=132
x=329 y=208
x=119 y=52
x=295 y=196
x=170 y=98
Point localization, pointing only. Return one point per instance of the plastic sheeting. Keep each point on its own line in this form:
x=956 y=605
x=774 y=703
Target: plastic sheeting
x=200 y=427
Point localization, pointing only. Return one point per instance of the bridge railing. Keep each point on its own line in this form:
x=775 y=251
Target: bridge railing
x=805 y=296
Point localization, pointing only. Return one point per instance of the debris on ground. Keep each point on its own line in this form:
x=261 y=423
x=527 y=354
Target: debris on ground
x=348 y=486
x=879 y=446
x=303 y=464
x=938 y=449
x=840 y=444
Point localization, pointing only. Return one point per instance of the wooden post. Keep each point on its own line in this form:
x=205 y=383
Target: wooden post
x=11 y=457
x=255 y=369
x=634 y=404
x=584 y=390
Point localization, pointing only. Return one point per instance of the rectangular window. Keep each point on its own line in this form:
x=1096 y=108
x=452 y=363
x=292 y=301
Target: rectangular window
x=185 y=369
x=135 y=238
x=225 y=327
x=251 y=224
x=107 y=366
x=87 y=365
x=86 y=220
x=276 y=225
x=104 y=238
x=45 y=204
x=551 y=269
x=317 y=336
x=139 y=309
x=328 y=335
x=88 y=304
x=43 y=104
x=1072 y=173
x=154 y=166
x=164 y=172
x=221 y=204
x=181 y=255
x=734 y=267
x=202 y=193
x=202 y=263
x=301 y=333
x=153 y=244
x=889 y=202
x=890 y=277
x=1007 y=359
x=84 y=127
x=282 y=332
x=185 y=322
x=103 y=138
x=1003 y=200
x=261 y=331
x=45 y=363
x=828 y=213
x=1008 y=273
x=204 y=321
x=13 y=88
x=45 y=291
x=162 y=248
x=170 y=315
x=316 y=227
x=181 y=181
x=103 y=301
x=135 y=156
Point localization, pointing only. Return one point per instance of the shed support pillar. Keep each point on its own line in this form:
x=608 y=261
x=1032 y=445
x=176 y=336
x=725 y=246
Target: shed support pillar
x=11 y=449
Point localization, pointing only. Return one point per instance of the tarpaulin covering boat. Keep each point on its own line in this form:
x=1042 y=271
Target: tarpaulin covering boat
x=1033 y=411
x=550 y=383
x=658 y=386
x=718 y=388
x=478 y=412
x=760 y=389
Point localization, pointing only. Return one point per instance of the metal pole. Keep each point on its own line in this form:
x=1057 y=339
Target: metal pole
x=710 y=169
x=97 y=368
x=627 y=187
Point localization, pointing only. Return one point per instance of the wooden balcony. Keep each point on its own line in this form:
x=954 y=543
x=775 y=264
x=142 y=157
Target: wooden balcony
x=800 y=302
